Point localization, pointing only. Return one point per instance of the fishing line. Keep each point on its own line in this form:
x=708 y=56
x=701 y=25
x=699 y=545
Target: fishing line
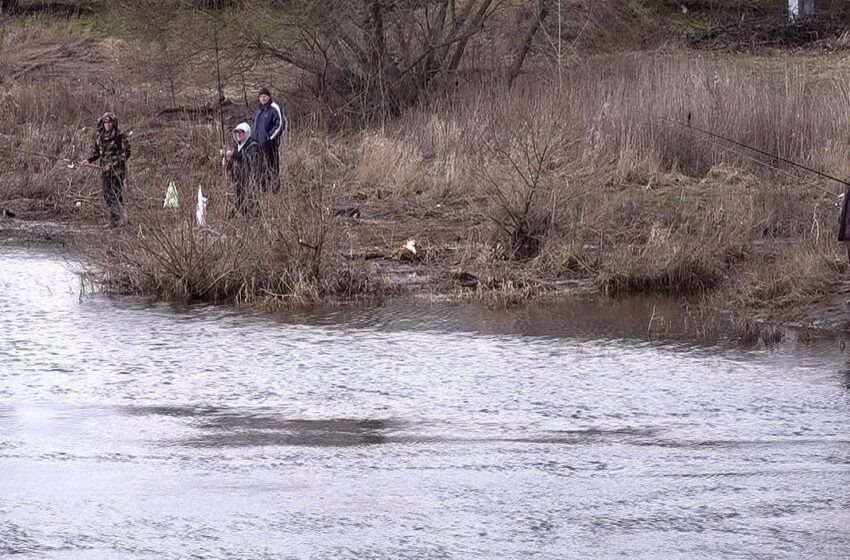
x=757 y=150
x=73 y=164
x=771 y=167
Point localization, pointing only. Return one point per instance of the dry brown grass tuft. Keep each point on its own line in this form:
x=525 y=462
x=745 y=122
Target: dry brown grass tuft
x=389 y=166
x=43 y=50
x=666 y=263
x=803 y=272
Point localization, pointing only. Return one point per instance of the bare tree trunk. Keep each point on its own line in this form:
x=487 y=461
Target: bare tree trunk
x=471 y=29
x=435 y=34
x=375 y=30
x=380 y=63
x=525 y=44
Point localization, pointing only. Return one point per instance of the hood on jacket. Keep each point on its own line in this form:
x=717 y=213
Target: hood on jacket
x=109 y=117
x=246 y=128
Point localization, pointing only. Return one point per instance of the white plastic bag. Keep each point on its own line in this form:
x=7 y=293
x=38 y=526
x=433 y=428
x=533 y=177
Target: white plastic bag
x=201 y=208
x=171 y=196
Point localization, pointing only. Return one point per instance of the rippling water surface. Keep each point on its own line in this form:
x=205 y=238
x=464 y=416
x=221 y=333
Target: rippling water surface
x=130 y=430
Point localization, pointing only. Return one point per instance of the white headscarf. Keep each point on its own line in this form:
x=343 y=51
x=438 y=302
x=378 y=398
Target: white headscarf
x=246 y=128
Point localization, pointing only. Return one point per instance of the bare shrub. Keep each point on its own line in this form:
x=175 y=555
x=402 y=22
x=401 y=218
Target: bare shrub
x=524 y=170
x=374 y=59
x=291 y=257
x=524 y=205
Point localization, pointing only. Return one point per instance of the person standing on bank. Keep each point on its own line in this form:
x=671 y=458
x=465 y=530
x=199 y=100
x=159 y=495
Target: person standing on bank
x=246 y=166
x=112 y=150
x=268 y=125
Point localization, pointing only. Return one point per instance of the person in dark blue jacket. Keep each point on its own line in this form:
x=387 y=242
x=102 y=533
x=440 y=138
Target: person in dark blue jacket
x=268 y=125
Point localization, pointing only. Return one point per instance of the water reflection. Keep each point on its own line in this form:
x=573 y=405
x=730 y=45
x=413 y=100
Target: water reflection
x=585 y=317
x=232 y=428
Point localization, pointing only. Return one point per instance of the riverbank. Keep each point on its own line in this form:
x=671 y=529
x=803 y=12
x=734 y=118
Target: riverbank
x=584 y=179
x=672 y=317
x=25 y=233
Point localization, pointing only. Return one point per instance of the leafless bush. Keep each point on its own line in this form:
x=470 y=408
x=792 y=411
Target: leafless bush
x=377 y=58
x=517 y=168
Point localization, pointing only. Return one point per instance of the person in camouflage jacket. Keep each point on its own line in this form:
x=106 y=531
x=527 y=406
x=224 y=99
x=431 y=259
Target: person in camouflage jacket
x=112 y=150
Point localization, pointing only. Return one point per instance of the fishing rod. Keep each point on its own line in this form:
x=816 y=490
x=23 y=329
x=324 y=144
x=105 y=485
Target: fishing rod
x=765 y=164
x=72 y=163
x=716 y=136
x=220 y=88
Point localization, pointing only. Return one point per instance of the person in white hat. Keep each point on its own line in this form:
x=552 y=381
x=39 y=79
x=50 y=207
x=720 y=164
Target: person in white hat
x=246 y=166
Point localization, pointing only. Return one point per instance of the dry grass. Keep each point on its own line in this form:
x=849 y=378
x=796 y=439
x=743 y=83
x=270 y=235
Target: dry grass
x=389 y=167
x=43 y=49
x=801 y=273
x=582 y=177
x=624 y=194
x=291 y=257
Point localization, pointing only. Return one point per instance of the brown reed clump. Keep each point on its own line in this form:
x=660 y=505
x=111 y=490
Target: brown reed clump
x=288 y=257
x=798 y=274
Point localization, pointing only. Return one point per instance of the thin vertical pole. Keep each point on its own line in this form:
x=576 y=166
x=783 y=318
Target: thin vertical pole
x=560 y=39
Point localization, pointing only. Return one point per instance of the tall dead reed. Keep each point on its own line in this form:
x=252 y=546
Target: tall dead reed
x=631 y=195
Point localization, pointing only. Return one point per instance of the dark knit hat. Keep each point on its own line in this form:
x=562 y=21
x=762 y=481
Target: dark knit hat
x=264 y=91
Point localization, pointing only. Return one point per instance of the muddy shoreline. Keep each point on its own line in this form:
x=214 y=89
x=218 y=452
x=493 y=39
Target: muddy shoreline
x=18 y=232
x=830 y=317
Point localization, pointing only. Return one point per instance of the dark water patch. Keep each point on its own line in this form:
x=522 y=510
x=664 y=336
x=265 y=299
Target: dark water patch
x=17 y=540
x=755 y=444
x=227 y=427
x=172 y=411
x=251 y=430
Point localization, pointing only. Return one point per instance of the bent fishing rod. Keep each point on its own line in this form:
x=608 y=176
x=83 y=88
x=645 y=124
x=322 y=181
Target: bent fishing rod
x=716 y=136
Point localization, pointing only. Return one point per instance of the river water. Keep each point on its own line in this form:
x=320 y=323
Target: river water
x=404 y=431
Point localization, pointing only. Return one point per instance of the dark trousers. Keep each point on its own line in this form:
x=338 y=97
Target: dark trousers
x=272 y=153
x=112 y=189
x=246 y=200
